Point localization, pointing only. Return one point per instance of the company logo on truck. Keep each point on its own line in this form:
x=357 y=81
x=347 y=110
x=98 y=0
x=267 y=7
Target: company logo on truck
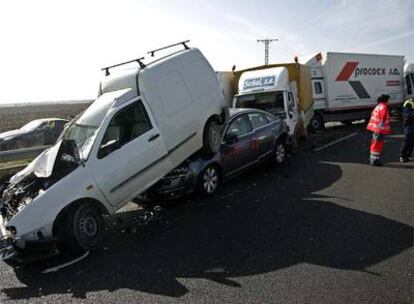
x=350 y=68
x=259 y=82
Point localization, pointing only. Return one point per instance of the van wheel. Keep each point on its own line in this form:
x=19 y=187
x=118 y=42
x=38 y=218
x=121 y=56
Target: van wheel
x=317 y=122
x=83 y=228
x=279 y=153
x=211 y=137
x=209 y=180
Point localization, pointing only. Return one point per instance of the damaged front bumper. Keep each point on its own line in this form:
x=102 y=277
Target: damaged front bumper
x=7 y=242
x=16 y=249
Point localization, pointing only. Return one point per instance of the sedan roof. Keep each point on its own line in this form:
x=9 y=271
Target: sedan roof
x=237 y=111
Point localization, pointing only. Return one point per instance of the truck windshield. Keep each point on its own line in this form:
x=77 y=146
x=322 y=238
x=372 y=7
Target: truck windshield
x=271 y=102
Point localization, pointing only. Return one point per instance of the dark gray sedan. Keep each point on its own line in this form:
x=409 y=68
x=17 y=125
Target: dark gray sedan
x=38 y=132
x=250 y=137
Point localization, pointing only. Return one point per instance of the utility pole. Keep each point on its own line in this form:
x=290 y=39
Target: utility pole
x=266 y=42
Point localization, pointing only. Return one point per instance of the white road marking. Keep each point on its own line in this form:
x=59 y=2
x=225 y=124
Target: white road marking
x=335 y=142
x=57 y=268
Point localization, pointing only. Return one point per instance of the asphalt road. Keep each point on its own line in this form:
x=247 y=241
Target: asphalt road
x=323 y=228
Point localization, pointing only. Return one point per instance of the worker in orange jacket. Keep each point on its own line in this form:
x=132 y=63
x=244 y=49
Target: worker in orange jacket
x=379 y=124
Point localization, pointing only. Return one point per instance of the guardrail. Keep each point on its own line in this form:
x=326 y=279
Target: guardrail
x=22 y=153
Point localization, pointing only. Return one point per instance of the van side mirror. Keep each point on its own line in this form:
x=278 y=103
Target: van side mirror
x=231 y=139
x=108 y=148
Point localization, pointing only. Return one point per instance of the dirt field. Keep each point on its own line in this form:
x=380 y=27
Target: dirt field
x=12 y=117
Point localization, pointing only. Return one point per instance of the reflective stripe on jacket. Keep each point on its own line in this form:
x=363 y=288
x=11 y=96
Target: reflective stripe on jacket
x=380 y=120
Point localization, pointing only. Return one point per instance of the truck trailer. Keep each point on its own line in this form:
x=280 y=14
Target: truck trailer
x=346 y=85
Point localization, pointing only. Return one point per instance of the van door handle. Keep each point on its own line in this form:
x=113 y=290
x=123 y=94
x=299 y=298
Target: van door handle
x=153 y=137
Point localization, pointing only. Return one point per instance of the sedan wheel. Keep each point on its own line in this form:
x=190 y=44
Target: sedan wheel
x=209 y=180
x=280 y=153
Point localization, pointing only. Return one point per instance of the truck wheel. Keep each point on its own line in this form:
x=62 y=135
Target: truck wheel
x=83 y=228
x=209 y=180
x=211 y=137
x=317 y=122
x=279 y=153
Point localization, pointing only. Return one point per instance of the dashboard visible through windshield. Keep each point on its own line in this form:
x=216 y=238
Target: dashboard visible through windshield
x=269 y=102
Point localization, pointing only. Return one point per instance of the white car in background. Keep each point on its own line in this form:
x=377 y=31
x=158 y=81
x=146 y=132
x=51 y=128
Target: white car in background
x=145 y=122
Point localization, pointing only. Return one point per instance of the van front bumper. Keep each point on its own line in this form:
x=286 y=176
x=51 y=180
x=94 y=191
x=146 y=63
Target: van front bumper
x=15 y=249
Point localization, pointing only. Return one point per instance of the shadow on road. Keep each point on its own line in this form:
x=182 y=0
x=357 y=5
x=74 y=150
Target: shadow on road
x=267 y=220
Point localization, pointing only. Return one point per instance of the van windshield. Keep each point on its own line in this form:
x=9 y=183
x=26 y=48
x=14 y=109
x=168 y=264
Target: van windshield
x=82 y=132
x=271 y=102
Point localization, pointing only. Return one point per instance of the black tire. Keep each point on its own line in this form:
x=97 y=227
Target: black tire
x=317 y=122
x=211 y=137
x=209 y=180
x=279 y=153
x=83 y=228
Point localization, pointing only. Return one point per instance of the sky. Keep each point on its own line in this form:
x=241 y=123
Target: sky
x=54 y=50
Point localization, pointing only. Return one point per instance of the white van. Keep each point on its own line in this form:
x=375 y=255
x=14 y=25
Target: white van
x=145 y=122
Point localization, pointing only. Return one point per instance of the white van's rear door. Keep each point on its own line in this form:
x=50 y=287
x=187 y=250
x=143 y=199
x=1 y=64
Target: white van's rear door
x=137 y=162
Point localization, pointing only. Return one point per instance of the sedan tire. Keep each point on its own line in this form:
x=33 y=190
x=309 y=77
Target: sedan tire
x=209 y=180
x=279 y=153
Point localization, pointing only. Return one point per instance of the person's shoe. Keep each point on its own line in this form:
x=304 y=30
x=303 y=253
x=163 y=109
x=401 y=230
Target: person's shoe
x=376 y=163
x=403 y=160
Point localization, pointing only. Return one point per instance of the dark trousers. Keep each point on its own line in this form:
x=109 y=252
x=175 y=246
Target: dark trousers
x=408 y=143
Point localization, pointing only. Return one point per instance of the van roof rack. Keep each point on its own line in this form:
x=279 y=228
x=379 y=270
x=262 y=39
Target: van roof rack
x=184 y=43
x=139 y=60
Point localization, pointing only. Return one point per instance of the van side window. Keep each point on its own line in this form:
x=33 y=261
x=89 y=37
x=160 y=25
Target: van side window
x=257 y=120
x=128 y=124
x=239 y=126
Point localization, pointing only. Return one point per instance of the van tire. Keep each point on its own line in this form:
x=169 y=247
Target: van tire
x=211 y=137
x=83 y=228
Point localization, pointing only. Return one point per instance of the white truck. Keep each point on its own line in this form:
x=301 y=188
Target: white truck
x=346 y=85
x=409 y=80
x=146 y=121
x=282 y=89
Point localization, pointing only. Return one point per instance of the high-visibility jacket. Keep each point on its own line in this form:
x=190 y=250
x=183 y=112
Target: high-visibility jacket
x=380 y=120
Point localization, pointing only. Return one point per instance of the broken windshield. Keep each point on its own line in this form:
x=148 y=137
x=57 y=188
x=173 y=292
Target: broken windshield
x=84 y=130
x=270 y=102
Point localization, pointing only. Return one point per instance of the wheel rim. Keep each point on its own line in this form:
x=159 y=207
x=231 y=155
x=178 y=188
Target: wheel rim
x=210 y=180
x=214 y=136
x=315 y=123
x=87 y=227
x=280 y=153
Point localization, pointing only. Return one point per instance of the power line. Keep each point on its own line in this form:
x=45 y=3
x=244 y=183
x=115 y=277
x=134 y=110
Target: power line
x=266 y=42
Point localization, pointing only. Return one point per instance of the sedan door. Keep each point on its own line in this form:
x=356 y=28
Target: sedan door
x=132 y=154
x=238 y=150
x=264 y=134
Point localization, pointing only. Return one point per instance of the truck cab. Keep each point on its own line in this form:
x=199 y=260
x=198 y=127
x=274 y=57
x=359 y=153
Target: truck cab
x=274 y=90
x=409 y=80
